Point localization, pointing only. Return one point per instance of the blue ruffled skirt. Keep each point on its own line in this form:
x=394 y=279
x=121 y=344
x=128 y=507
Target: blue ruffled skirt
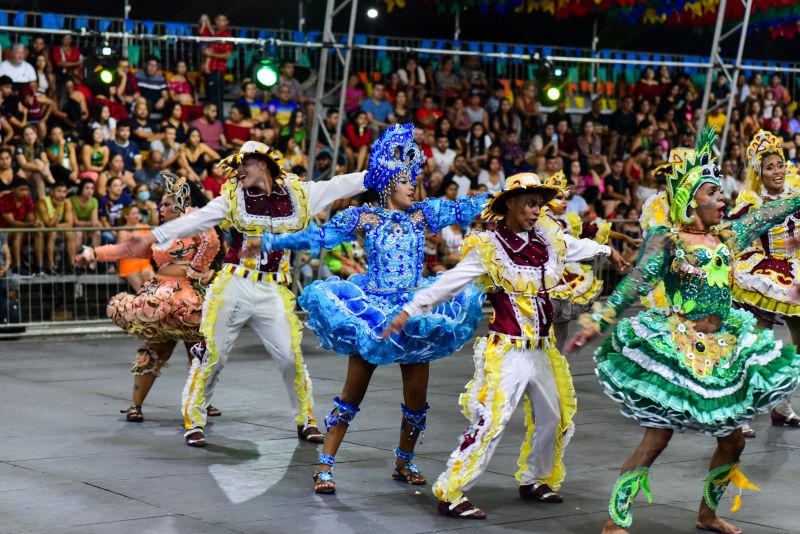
x=349 y=318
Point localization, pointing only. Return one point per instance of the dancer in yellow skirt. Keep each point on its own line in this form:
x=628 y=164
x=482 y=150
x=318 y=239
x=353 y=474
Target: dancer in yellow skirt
x=580 y=286
x=516 y=265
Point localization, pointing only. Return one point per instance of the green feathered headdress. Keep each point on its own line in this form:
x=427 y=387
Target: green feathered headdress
x=687 y=171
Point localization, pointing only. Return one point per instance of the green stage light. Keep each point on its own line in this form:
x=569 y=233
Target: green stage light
x=265 y=73
x=106 y=76
x=554 y=94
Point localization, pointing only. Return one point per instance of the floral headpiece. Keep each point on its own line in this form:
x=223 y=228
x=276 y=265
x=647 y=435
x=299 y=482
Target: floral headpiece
x=763 y=143
x=687 y=171
x=394 y=153
x=177 y=187
x=557 y=180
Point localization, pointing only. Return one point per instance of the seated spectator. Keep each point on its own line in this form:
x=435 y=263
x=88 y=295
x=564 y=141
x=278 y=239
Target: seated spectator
x=528 y=108
x=152 y=85
x=67 y=59
x=492 y=176
x=123 y=145
x=238 y=126
x=354 y=94
x=292 y=155
x=587 y=182
x=427 y=115
x=55 y=212
x=378 y=109
x=45 y=84
x=341 y=261
x=7 y=171
x=258 y=109
x=513 y=156
x=443 y=155
x=281 y=108
x=85 y=214
x=576 y=203
x=296 y=129
x=173 y=117
x=15 y=67
x=622 y=124
x=459 y=118
x=505 y=120
x=478 y=143
x=402 y=113
x=212 y=185
x=172 y=150
x=105 y=122
x=62 y=158
x=450 y=240
x=730 y=186
x=412 y=78
x=286 y=77
x=360 y=138
x=648 y=88
x=32 y=161
x=474 y=110
x=150 y=173
x=560 y=114
x=493 y=102
x=646 y=188
x=181 y=90
x=136 y=271
x=111 y=205
x=567 y=146
x=13 y=112
x=17 y=210
x=599 y=121
x=471 y=74
x=115 y=169
x=94 y=156
x=148 y=211
x=448 y=83
x=143 y=130
x=589 y=146
x=127 y=90
x=644 y=136
x=196 y=156
x=36 y=113
x=211 y=129
x=460 y=175
x=617 y=188
x=634 y=165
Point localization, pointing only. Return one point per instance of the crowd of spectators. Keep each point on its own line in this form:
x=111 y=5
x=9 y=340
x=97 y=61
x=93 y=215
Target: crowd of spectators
x=77 y=153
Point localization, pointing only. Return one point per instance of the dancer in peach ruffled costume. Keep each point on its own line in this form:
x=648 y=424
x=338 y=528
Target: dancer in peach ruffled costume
x=167 y=308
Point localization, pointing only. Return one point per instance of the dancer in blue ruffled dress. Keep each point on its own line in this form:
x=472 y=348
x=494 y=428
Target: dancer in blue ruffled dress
x=349 y=316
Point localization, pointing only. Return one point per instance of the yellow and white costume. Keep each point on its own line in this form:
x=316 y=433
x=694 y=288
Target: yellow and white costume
x=518 y=357
x=254 y=290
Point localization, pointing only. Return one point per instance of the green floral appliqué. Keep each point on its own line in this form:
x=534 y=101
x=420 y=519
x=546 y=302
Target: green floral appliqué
x=718 y=270
x=679 y=306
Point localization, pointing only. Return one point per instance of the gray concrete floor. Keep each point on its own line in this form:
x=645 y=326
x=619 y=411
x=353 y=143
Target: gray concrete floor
x=69 y=463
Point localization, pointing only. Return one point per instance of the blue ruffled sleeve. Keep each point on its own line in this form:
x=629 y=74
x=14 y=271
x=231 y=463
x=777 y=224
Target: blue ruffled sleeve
x=441 y=213
x=342 y=227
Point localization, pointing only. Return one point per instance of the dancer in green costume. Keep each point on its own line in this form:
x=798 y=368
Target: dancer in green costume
x=702 y=365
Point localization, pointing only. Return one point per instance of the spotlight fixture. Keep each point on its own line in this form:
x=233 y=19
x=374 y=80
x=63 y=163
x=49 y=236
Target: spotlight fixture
x=264 y=72
x=372 y=13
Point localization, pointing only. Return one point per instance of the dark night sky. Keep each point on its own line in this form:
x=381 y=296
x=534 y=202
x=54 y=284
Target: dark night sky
x=420 y=20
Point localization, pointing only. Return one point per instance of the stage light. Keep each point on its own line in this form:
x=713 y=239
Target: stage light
x=265 y=73
x=558 y=72
x=553 y=94
x=372 y=13
x=106 y=76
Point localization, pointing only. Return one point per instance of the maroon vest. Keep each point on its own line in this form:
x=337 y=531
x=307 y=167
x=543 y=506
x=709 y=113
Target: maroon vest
x=532 y=254
x=276 y=204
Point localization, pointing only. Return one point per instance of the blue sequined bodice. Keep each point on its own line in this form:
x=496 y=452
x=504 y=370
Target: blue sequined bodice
x=395 y=249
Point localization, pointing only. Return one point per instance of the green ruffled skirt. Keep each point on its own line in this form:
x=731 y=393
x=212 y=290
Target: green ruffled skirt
x=666 y=375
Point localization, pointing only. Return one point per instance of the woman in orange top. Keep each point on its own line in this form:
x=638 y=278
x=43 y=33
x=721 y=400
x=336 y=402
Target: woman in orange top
x=168 y=307
x=135 y=270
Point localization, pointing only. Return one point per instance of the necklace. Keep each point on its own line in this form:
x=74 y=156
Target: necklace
x=693 y=230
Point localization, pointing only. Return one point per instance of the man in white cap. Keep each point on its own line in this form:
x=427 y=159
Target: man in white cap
x=516 y=265
x=251 y=288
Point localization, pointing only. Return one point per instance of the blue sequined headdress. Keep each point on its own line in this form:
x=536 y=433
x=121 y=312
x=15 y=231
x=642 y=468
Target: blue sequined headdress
x=394 y=153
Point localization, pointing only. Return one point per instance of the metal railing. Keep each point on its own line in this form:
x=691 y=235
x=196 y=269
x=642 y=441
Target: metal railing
x=589 y=71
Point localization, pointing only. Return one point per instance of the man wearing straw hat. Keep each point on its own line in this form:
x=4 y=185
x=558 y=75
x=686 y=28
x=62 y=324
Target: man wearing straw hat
x=516 y=265
x=251 y=288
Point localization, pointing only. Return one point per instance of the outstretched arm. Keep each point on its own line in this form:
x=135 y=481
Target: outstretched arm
x=650 y=268
x=344 y=226
x=751 y=225
x=441 y=213
x=322 y=194
x=193 y=223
